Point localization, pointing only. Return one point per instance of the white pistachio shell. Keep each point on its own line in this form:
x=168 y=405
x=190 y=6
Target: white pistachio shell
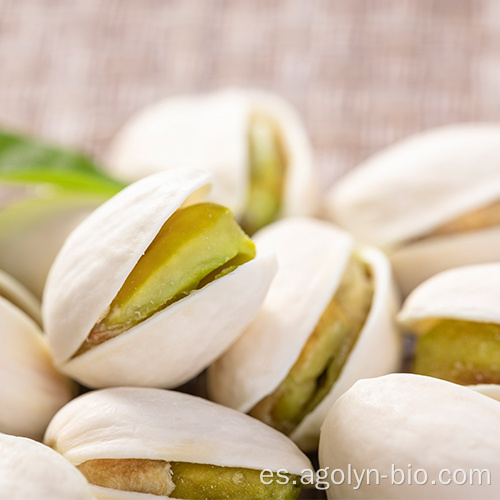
x=210 y=131
x=174 y=344
x=20 y=296
x=32 y=471
x=410 y=189
x=31 y=390
x=163 y=425
x=470 y=293
x=409 y=421
x=312 y=257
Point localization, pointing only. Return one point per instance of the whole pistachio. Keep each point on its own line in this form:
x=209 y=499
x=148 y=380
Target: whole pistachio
x=153 y=286
x=432 y=201
x=253 y=142
x=169 y=444
x=410 y=436
x=325 y=323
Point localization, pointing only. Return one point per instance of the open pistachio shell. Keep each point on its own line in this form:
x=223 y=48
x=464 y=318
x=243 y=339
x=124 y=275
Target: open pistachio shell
x=154 y=424
x=211 y=131
x=31 y=470
x=403 y=197
x=31 y=390
x=467 y=295
x=312 y=257
x=20 y=296
x=175 y=343
x=410 y=422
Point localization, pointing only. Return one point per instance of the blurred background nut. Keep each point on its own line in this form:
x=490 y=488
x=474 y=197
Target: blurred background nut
x=431 y=201
x=326 y=322
x=252 y=141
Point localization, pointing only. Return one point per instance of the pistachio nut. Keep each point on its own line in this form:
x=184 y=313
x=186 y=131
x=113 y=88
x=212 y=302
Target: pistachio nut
x=170 y=444
x=153 y=286
x=431 y=201
x=31 y=389
x=423 y=438
x=31 y=470
x=325 y=323
x=20 y=296
x=252 y=141
x=456 y=319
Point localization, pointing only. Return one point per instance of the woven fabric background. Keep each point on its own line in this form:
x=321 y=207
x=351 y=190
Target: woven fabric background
x=362 y=73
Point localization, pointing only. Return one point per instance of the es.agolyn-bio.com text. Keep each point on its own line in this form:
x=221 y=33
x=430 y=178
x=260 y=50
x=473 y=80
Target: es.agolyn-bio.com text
x=354 y=477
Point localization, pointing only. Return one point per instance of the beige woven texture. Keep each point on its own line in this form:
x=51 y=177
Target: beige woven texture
x=362 y=73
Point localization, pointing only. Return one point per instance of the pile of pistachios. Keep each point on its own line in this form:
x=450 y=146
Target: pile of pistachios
x=190 y=320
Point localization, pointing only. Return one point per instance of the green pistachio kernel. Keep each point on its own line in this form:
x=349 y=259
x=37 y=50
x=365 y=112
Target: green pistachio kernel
x=189 y=481
x=202 y=481
x=463 y=352
x=267 y=166
x=196 y=245
x=323 y=356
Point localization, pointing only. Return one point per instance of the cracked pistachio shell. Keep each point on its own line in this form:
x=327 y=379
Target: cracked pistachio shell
x=403 y=421
x=177 y=342
x=312 y=257
x=31 y=389
x=20 y=296
x=400 y=195
x=210 y=131
x=31 y=470
x=164 y=425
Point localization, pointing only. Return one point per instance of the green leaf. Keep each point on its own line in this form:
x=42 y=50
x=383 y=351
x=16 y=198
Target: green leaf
x=25 y=160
